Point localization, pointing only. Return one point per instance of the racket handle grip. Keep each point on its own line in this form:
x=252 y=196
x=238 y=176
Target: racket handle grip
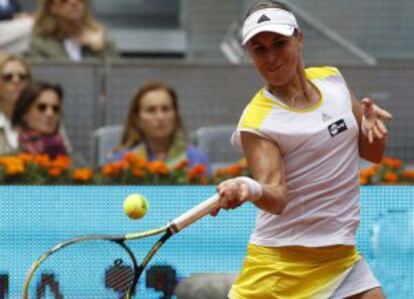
x=191 y=216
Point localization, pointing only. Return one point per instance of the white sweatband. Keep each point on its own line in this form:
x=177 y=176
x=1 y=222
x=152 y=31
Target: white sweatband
x=255 y=188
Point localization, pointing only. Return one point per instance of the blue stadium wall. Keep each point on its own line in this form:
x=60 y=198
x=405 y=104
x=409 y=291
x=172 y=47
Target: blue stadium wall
x=35 y=218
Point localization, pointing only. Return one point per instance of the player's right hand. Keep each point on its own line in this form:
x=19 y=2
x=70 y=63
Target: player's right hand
x=233 y=193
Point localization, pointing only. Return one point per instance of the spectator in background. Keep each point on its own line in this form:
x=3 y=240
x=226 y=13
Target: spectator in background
x=66 y=29
x=15 y=74
x=37 y=117
x=9 y=9
x=154 y=128
x=15 y=27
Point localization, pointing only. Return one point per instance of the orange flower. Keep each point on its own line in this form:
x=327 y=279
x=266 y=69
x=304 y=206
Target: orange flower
x=130 y=157
x=42 y=160
x=14 y=170
x=390 y=177
x=370 y=171
x=110 y=170
x=137 y=172
x=83 y=174
x=13 y=165
x=204 y=180
x=26 y=158
x=392 y=162
x=107 y=170
x=234 y=170
x=190 y=176
x=363 y=180
x=397 y=163
x=122 y=165
x=54 y=172
x=182 y=165
x=62 y=162
x=134 y=159
x=409 y=174
x=219 y=172
x=158 y=167
x=114 y=169
x=197 y=171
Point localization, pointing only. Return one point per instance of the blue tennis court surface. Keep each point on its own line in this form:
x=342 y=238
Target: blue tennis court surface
x=35 y=218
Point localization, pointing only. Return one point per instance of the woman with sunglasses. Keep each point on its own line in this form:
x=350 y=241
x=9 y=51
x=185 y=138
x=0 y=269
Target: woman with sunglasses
x=37 y=117
x=66 y=29
x=302 y=134
x=15 y=75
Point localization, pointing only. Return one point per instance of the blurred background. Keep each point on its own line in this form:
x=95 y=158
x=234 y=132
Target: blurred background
x=194 y=46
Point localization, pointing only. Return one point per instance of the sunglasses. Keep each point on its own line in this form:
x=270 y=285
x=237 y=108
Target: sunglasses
x=66 y=1
x=43 y=107
x=8 y=77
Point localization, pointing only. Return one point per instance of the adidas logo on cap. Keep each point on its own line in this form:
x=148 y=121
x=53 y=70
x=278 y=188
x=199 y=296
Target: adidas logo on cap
x=262 y=19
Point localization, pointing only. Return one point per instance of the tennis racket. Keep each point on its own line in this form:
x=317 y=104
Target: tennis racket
x=101 y=266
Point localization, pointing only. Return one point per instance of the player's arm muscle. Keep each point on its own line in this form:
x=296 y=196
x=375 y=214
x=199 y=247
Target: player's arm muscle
x=266 y=164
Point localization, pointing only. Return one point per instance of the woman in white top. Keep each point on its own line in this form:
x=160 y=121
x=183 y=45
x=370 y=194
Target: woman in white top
x=302 y=135
x=15 y=75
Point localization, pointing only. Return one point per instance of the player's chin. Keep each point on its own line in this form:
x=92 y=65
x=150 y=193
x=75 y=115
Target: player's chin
x=276 y=79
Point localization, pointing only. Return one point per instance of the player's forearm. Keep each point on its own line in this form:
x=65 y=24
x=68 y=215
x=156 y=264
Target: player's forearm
x=273 y=199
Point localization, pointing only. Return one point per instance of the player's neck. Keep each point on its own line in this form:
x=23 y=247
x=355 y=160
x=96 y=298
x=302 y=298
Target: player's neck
x=298 y=93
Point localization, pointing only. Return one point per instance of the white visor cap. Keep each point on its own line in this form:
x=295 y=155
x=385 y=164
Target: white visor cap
x=269 y=20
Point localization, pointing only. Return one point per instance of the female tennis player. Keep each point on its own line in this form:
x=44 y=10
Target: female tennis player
x=303 y=135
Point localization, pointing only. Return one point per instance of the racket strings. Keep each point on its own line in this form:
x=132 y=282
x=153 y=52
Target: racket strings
x=97 y=269
x=119 y=277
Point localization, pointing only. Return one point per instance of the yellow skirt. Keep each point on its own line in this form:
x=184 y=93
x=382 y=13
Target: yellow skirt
x=293 y=272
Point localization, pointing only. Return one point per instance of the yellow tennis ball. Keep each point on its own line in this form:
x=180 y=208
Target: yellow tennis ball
x=135 y=206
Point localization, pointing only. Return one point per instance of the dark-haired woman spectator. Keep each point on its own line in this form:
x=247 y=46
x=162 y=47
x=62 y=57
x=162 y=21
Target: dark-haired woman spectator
x=154 y=129
x=15 y=75
x=66 y=29
x=37 y=117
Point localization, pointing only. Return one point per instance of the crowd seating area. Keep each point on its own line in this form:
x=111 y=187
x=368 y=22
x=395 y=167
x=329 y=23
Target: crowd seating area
x=212 y=91
x=210 y=94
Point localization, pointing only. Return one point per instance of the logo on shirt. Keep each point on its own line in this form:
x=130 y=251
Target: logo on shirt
x=337 y=127
x=262 y=19
x=326 y=117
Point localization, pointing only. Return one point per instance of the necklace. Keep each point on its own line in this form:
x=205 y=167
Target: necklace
x=288 y=101
x=293 y=98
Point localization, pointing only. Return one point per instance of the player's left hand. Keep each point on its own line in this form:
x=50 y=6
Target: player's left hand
x=372 y=124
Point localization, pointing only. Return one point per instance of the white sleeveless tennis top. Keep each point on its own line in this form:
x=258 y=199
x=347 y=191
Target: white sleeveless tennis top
x=319 y=147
